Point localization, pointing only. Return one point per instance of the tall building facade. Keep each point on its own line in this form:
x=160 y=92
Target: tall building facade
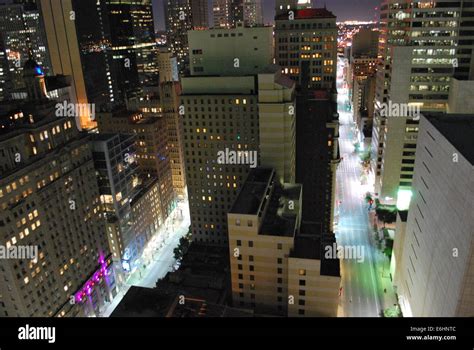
x=152 y=153
x=132 y=43
x=277 y=121
x=433 y=273
x=170 y=92
x=236 y=51
x=414 y=75
x=221 y=117
x=199 y=11
x=181 y=16
x=117 y=178
x=222 y=13
x=229 y=13
x=85 y=33
x=277 y=266
x=50 y=203
x=306 y=35
x=317 y=154
x=212 y=187
x=22 y=37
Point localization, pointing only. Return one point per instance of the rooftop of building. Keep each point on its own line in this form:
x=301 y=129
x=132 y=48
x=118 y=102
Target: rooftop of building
x=251 y=194
x=29 y=115
x=281 y=79
x=239 y=26
x=143 y=188
x=262 y=195
x=313 y=13
x=458 y=129
x=310 y=243
x=281 y=218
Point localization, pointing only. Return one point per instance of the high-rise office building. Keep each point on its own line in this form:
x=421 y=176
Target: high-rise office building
x=277 y=263
x=152 y=153
x=222 y=13
x=22 y=37
x=117 y=176
x=133 y=45
x=81 y=26
x=229 y=13
x=213 y=185
x=306 y=35
x=433 y=259
x=199 y=12
x=248 y=12
x=170 y=92
x=221 y=118
x=181 y=16
x=419 y=57
x=49 y=216
x=317 y=153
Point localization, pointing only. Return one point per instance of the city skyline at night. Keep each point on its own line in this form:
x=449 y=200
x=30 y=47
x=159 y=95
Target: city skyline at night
x=278 y=167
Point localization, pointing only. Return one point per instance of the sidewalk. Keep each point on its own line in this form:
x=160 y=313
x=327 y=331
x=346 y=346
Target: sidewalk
x=388 y=297
x=158 y=256
x=159 y=251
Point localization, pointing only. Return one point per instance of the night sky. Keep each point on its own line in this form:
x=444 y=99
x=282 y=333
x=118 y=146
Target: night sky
x=343 y=9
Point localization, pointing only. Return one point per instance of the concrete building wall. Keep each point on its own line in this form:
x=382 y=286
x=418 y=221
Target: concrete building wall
x=213 y=187
x=263 y=267
x=307 y=39
x=460 y=96
x=435 y=273
x=314 y=295
x=277 y=118
x=235 y=51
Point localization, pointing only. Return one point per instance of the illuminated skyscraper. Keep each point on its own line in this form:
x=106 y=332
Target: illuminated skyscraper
x=222 y=13
x=419 y=58
x=22 y=37
x=133 y=46
x=237 y=102
x=228 y=13
x=306 y=35
x=181 y=16
x=49 y=208
x=81 y=27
